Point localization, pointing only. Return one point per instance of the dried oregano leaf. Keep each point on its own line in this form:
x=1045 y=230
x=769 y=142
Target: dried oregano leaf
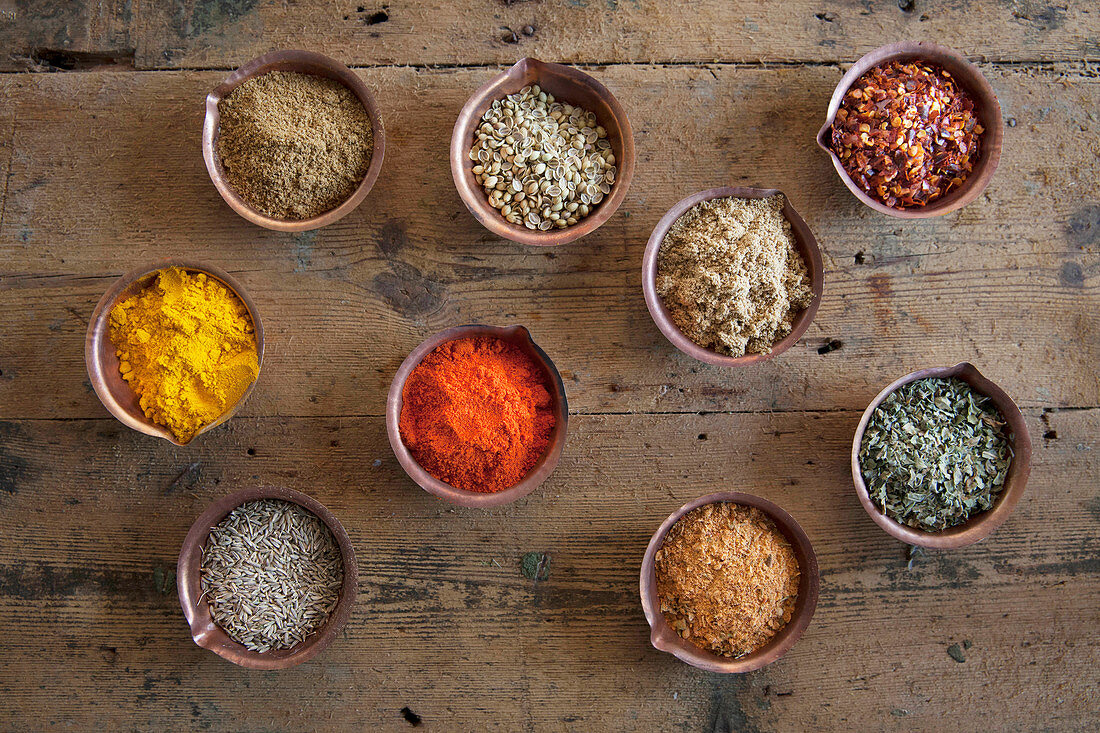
x=935 y=452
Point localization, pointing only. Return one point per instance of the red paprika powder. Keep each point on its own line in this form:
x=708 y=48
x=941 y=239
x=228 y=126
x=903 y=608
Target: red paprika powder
x=476 y=413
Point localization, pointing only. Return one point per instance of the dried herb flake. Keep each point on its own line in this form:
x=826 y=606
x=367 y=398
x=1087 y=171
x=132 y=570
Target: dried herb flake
x=934 y=453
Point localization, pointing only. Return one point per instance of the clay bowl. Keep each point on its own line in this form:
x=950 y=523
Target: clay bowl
x=519 y=336
x=665 y=639
x=978 y=526
x=807 y=247
x=986 y=107
x=567 y=84
x=103 y=366
x=303 y=62
x=208 y=634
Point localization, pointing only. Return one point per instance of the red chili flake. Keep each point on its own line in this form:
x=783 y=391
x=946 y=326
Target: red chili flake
x=907 y=133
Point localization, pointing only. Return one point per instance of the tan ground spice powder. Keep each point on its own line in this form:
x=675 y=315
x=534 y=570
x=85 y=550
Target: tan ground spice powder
x=294 y=145
x=727 y=578
x=730 y=276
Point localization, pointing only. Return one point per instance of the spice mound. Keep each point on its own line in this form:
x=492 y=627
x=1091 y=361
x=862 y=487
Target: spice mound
x=730 y=276
x=477 y=414
x=187 y=347
x=727 y=578
x=934 y=453
x=294 y=145
x=542 y=163
x=906 y=133
x=271 y=572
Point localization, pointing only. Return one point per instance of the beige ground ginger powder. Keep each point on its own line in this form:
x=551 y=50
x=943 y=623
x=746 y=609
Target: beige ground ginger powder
x=294 y=145
x=730 y=276
x=727 y=578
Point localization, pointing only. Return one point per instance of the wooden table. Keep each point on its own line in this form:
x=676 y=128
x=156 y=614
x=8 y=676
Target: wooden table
x=102 y=172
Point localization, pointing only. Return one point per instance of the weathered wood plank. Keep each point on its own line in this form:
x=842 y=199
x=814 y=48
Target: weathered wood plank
x=106 y=175
x=225 y=33
x=93 y=516
x=41 y=35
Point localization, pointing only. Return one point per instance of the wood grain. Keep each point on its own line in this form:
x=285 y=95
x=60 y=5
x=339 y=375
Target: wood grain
x=447 y=625
x=226 y=33
x=102 y=172
x=106 y=176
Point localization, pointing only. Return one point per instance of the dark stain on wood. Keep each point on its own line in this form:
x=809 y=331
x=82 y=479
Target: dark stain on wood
x=13 y=468
x=1072 y=275
x=407 y=291
x=1092 y=506
x=727 y=715
x=393 y=237
x=883 y=293
x=186 y=478
x=208 y=15
x=1085 y=561
x=303 y=250
x=41 y=580
x=1083 y=228
x=55 y=59
x=880 y=285
x=1043 y=16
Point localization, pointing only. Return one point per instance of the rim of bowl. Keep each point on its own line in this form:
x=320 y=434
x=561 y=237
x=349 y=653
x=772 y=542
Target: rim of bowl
x=665 y=639
x=988 y=109
x=305 y=62
x=607 y=110
x=978 y=526
x=519 y=336
x=102 y=363
x=207 y=634
x=807 y=246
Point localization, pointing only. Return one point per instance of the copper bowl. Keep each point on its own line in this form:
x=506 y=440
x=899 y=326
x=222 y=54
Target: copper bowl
x=665 y=639
x=303 y=62
x=978 y=526
x=208 y=634
x=102 y=362
x=567 y=84
x=986 y=107
x=520 y=337
x=804 y=240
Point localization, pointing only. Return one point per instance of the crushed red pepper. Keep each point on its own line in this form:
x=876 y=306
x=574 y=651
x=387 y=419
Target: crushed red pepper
x=906 y=133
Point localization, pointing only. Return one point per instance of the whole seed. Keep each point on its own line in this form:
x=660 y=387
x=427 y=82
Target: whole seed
x=554 y=156
x=271 y=572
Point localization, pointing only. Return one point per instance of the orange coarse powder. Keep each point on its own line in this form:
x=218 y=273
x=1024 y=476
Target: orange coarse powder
x=476 y=413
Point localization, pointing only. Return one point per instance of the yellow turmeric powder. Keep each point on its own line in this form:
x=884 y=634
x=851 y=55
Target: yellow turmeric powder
x=186 y=345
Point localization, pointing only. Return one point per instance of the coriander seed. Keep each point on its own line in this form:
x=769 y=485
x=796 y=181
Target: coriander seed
x=542 y=163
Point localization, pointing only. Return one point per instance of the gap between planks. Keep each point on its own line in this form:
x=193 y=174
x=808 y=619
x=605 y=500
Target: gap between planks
x=1032 y=411
x=1037 y=64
